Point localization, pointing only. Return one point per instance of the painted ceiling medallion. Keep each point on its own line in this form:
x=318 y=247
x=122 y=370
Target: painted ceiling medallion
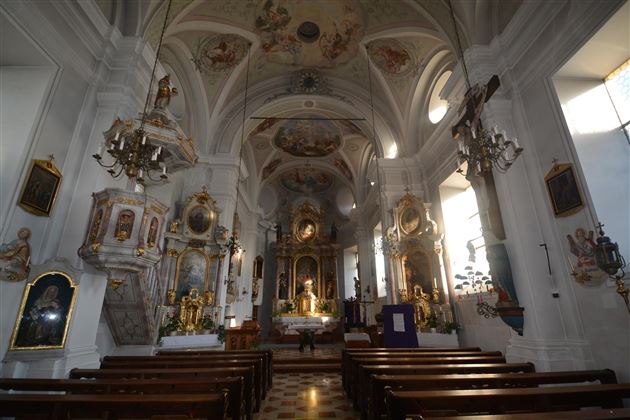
x=302 y=32
x=307 y=81
x=220 y=53
x=391 y=56
x=306 y=180
x=307 y=138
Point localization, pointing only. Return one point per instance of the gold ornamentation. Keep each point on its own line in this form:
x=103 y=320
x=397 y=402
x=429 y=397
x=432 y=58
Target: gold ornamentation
x=209 y=296
x=191 y=310
x=115 y=283
x=139 y=252
x=171 y=296
x=173 y=226
x=156 y=209
x=172 y=252
x=95 y=246
x=40 y=189
x=129 y=201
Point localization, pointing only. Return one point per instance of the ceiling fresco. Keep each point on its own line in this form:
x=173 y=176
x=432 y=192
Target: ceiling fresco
x=270 y=168
x=306 y=138
x=302 y=32
x=391 y=56
x=306 y=180
x=220 y=52
x=343 y=167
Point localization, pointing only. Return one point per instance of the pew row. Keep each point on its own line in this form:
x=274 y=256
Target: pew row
x=247 y=373
x=587 y=414
x=234 y=386
x=109 y=406
x=376 y=387
x=402 y=404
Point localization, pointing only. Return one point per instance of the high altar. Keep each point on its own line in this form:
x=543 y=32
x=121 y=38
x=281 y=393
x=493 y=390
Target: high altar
x=306 y=277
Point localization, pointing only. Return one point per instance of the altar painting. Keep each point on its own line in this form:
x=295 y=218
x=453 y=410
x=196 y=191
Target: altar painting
x=418 y=271
x=308 y=138
x=306 y=269
x=192 y=272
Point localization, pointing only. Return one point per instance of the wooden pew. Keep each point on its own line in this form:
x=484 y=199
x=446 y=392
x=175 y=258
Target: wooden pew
x=365 y=371
x=260 y=369
x=590 y=414
x=58 y=407
x=400 y=404
x=267 y=355
x=156 y=363
x=346 y=354
x=234 y=386
x=376 y=387
x=349 y=356
x=247 y=373
x=356 y=363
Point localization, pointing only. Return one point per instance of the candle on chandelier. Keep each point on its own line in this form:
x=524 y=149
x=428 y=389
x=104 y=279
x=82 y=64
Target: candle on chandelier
x=117 y=135
x=144 y=140
x=164 y=170
x=122 y=144
x=140 y=174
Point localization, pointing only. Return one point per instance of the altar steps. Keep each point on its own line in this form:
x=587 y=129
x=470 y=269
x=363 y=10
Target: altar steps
x=303 y=365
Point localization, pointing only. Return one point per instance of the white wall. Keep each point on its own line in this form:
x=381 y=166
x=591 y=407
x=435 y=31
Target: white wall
x=603 y=152
x=349 y=271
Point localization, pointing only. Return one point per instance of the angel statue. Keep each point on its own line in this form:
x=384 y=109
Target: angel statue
x=15 y=257
x=164 y=93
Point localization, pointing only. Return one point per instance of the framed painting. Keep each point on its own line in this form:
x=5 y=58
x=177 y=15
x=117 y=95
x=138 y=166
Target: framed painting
x=192 y=272
x=564 y=191
x=410 y=220
x=41 y=187
x=306 y=268
x=45 y=312
x=199 y=219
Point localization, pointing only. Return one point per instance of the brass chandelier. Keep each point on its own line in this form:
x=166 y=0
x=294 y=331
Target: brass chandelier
x=131 y=150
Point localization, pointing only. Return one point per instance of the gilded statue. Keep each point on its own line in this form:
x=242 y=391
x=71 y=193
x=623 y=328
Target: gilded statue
x=191 y=310
x=171 y=295
x=15 y=257
x=164 y=93
x=209 y=297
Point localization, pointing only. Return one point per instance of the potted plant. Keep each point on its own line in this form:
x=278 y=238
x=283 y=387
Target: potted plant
x=170 y=327
x=432 y=323
x=451 y=327
x=207 y=324
x=324 y=307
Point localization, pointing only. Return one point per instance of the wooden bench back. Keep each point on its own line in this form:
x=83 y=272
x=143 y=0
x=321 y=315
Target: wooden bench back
x=495 y=401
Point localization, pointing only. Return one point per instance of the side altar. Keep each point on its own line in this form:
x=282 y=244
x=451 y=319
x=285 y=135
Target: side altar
x=306 y=277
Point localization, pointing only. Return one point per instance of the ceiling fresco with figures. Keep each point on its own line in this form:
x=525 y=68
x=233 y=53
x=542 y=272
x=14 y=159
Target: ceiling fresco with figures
x=310 y=61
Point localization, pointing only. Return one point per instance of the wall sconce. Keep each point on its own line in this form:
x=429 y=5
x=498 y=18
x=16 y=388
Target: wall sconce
x=612 y=262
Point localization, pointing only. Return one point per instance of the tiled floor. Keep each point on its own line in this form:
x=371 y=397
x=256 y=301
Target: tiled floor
x=307 y=396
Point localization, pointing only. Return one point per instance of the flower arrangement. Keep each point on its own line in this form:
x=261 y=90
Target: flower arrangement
x=172 y=323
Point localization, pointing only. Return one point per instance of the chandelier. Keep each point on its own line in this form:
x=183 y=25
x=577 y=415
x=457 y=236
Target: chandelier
x=131 y=149
x=481 y=149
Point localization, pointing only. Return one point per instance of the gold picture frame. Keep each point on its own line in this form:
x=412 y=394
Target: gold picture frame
x=199 y=219
x=564 y=190
x=40 y=189
x=410 y=220
x=50 y=298
x=191 y=263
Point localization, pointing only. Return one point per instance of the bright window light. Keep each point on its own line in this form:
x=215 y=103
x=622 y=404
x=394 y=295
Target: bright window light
x=437 y=105
x=591 y=112
x=392 y=152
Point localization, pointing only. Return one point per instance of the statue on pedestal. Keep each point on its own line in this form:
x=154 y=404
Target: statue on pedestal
x=15 y=257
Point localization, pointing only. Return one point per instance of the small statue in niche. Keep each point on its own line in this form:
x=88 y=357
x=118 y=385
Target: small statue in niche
x=164 y=93
x=283 y=289
x=15 y=257
x=278 y=233
x=173 y=227
x=209 y=297
x=171 y=295
x=96 y=225
x=255 y=287
x=333 y=232
x=153 y=230
x=330 y=286
x=124 y=225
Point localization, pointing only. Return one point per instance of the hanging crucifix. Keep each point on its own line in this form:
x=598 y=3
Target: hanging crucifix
x=483 y=183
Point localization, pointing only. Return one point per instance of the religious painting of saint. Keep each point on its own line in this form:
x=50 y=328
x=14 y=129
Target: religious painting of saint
x=306 y=138
x=306 y=230
x=41 y=187
x=45 y=312
x=409 y=221
x=564 y=190
x=199 y=219
x=306 y=272
x=124 y=225
x=192 y=272
x=153 y=231
x=583 y=248
x=418 y=271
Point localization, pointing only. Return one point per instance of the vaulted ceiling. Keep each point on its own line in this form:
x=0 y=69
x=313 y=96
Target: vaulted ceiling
x=305 y=65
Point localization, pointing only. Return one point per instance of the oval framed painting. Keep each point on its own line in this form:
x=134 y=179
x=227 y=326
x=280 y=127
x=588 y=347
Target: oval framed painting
x=409 y=221
x=307 y=230
x=199 y=219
